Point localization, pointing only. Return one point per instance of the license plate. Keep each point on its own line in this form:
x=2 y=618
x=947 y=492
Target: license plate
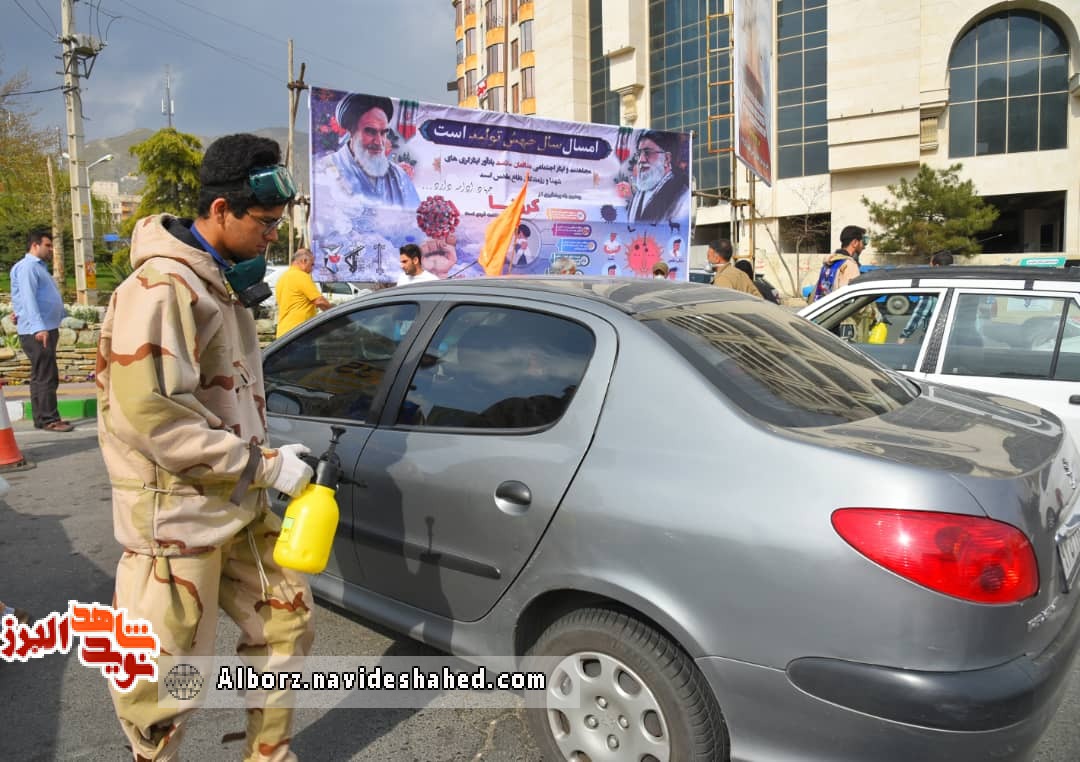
x=1069 y=550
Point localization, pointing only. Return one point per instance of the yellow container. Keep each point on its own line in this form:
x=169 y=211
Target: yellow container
x=878 y=334
x=307 y=531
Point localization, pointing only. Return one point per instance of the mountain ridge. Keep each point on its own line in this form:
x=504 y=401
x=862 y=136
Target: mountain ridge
x=123 y=163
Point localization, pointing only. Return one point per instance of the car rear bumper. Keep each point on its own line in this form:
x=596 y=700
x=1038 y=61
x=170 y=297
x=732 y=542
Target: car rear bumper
x=829 y=709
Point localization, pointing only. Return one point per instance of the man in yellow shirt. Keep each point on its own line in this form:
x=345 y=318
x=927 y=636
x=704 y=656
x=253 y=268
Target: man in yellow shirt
x=298 y=298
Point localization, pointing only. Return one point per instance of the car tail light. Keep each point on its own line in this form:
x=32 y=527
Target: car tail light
x=969 y=557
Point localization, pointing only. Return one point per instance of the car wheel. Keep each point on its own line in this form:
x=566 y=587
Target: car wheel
x=897 y=305
x=619 y=689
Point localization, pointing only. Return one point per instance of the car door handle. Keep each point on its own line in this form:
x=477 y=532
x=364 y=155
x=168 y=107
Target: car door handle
x=513 y=497
x=1074 y=399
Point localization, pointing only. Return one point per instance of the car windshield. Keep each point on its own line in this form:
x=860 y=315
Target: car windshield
x=778 y=367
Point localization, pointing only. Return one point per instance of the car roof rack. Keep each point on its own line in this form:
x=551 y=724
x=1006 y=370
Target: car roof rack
x=974 y=272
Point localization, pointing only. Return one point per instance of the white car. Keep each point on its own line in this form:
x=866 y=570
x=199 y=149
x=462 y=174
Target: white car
x=335 y=292
x=1011 y=331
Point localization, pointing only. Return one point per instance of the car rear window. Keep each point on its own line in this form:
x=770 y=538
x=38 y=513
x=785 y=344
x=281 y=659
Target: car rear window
x=778 y=367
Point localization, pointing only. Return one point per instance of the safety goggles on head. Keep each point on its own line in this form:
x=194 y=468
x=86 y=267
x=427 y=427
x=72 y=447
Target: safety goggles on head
x=272 y=186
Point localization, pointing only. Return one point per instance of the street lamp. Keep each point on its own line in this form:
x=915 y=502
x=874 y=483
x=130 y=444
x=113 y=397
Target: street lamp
x=91 y=165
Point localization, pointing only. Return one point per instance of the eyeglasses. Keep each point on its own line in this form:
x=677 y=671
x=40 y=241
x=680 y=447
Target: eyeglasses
x=272 y=186
x=649 y=153
x=268 y=225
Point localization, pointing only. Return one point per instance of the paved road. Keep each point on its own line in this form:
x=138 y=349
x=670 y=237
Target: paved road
x=56 y=544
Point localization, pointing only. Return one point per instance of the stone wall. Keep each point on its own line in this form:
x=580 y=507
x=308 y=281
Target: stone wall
x=76 y=355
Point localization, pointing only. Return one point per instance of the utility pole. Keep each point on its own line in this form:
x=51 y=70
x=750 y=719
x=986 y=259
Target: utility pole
x=57 y=228
x=78 y=48
x=296 y=86
x=168 y=108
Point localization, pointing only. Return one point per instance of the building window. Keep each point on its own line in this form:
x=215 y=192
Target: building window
x=462 y=93
x=681 y=36
x=514 y=11
x=495 y=58
x=494 y=15
x=527 y=83
x=513 y=54
x=495 y=101
x=526 y=36
x=801 y=127
x=516 y=102
x=461 y=51
x=459 y=13
x=470 y=42
x=470 y=7
x=605 y=103
x=1008 y=86
x=470 y=83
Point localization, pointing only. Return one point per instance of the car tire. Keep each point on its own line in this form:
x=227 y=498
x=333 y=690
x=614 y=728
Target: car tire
x=639 y=693
x=897 y=305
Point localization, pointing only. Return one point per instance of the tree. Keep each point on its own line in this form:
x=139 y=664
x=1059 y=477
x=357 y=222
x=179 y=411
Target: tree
x=932 y=211
x=24 y=183
x=169 y=162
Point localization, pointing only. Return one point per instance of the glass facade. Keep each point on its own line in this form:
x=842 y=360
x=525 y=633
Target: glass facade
x=681 y=35
x=1008 y=86
x=605 y=104
x=802 y=132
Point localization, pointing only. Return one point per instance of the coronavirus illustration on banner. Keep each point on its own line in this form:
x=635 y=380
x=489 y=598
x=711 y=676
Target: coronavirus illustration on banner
x=386 y=172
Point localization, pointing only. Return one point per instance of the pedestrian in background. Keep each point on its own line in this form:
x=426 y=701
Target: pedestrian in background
x=183 y=434
x=920 y=316
x=38 y=309
x=767 y=290
x=298 y=298
x=843 y=265
x=412 y=266
x=727 y=275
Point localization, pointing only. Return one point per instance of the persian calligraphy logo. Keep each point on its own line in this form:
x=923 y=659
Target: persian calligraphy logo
x=184 y=682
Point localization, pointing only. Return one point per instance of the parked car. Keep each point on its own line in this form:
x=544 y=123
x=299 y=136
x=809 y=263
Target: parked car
x=335 y=292
x=734 y=535
x=1004 y=330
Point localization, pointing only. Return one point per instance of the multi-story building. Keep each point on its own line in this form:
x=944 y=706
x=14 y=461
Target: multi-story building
x=864 y=92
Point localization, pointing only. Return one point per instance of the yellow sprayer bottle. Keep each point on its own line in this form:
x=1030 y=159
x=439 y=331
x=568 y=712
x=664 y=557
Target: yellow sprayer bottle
x=311 y=519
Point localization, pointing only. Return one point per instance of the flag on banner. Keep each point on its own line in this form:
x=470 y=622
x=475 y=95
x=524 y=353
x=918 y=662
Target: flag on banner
x=500 y=234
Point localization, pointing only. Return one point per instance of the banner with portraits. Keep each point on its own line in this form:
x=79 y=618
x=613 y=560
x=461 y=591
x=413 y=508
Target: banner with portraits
x=753 y=86
x=386 y=172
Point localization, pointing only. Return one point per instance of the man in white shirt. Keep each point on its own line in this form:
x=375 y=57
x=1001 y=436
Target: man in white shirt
x=412 y=270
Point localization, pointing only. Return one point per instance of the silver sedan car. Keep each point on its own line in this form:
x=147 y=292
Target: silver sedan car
x=733 y=534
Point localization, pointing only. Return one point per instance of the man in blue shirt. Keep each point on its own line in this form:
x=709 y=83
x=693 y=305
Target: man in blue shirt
x=39 y=309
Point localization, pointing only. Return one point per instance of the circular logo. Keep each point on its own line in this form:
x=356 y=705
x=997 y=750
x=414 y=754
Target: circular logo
x=184 y=682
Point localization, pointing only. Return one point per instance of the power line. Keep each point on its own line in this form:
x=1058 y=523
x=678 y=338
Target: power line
x=172 y=29
x=34 y=20
x=42 y=7
x=247 y=27
x=31 y=92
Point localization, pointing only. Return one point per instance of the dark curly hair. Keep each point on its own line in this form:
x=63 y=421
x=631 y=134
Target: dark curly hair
x=225 y=168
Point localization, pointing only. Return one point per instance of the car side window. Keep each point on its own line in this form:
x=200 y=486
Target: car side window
x=1003 y=336
x=889 y=325
x=334 y=287
x=334 y=369
x=1068 y=363
x=497 y=368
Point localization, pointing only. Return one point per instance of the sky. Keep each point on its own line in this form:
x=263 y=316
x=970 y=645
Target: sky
x=228 y=60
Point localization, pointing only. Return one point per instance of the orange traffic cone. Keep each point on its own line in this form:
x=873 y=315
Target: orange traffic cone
x=10 y=456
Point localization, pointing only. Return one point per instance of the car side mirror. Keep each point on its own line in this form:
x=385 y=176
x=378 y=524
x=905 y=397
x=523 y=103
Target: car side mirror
x=283 y=403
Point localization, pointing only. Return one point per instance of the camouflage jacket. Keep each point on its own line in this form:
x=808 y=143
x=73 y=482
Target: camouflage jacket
x=181 y=405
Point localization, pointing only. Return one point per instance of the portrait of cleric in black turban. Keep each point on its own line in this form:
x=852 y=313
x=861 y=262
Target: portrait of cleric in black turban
x=362 y=166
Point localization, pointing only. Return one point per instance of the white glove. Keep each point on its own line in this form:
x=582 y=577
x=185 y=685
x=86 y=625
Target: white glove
x=294 y=474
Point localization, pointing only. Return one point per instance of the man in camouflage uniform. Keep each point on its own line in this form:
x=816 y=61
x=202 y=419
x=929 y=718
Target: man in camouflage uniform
x=183 y=433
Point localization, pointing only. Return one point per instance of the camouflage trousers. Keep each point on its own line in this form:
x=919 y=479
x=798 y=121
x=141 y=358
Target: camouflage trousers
x=180 y=596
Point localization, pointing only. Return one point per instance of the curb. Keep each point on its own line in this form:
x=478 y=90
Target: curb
x=68 y=408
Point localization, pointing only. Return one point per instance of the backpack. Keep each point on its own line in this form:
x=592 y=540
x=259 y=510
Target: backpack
x=827 y=278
